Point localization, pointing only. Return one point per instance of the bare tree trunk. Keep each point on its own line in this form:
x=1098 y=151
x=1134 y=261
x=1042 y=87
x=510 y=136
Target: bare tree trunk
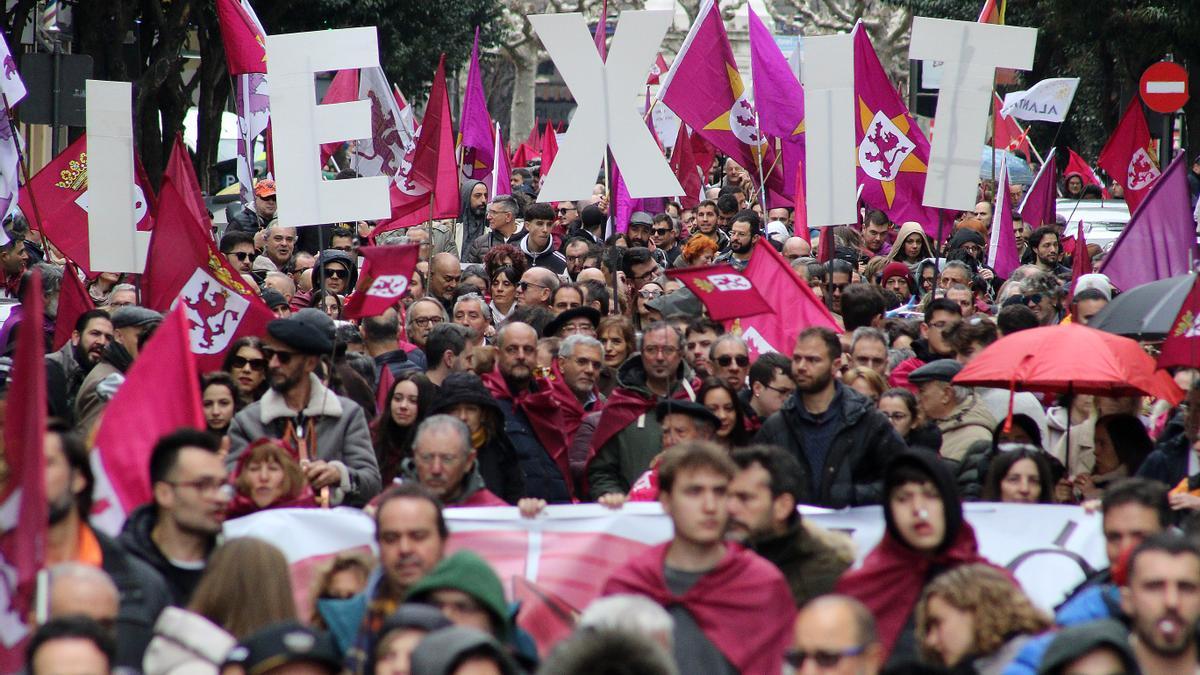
x=522 y=113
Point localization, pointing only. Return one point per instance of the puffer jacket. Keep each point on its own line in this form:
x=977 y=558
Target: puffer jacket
x=144 y=595
x=853 y=471
x=970 y=421
x=186 y=643
x=541 y=475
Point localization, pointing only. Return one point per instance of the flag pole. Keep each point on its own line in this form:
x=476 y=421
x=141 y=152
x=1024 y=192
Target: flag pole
x=495 y=157
x=762 y=183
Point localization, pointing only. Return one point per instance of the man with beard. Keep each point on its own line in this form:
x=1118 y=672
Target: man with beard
x=335 y=272
x=177 y=530
x=1046 y=245
x=763 y=517
x=706 y=224
x=1162 y=600
x=238 y=249
x=580 y=253
x=474 y=214
x=132 y=326
x=70 y=539
x=846 y=441
x=67 y=367
x=531 y=416
x=330 y=431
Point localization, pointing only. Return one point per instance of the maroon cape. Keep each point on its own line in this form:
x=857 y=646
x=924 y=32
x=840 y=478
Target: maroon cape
x=743 y=605
x=622 y=408
x=892 y=576
x=481 y=497
x=545 y=415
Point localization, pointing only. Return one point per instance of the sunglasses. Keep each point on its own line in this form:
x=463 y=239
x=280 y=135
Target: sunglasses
x=524 y=285
x=284 y=357
x=239 y=362
x=661 y=231
x=563 y=212
x=1035 y=299
x=336 y=273
x=241 y=255
x=726 y=360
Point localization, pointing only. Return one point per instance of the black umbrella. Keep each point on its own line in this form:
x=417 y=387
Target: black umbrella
x=1145 y=312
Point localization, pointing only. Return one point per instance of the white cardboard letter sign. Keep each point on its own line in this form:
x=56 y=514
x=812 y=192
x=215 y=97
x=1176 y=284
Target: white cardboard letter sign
x=607 y=116
x=971 y=53
x=299 y=126
x=114 y=243
x=830 y=168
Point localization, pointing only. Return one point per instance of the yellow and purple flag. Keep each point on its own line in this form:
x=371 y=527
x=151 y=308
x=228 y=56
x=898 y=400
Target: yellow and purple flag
x=780 y=102
x=475 y=124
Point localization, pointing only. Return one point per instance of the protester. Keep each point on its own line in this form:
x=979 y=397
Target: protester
x=268 y=476
x=67 y=368
x=252 y=219
x=504 y=293
x=1090 y=649
x=444 y=462
x=245 y=362
x=732 y=610
x=1020 y=475
x=283 y=647
x=463 y=395
x=400 y=634
x=408 y=402
x=771 y=385
x=729 y=359
x=75 y=644
x=132 y=328
x=219 y=398
x=960 y=415
x=1162 y=604
x=836 y=632
x=458 y=650
x=722 y=401
x=381 y=336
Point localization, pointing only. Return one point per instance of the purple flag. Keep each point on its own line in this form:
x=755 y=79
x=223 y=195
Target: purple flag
x=501 y=185
x=1037 y=208
x=779 y=99
x=1002 y=249
x=1160 y=239
x=475 y=124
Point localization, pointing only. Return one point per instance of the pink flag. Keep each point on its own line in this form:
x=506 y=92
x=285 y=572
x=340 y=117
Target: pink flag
x=73 y=301
x=657 y=70
x=1081 y=262
x=800 y=207
x=1002 y=249
x=501 y=178
x=1182 y=346
x=433 y=164
x=387 y=271
x=683 y=165
x=243 y=36
x=184 y=267
x=704 y=88
x=342 y=89
x=1160 y=240
x=475 y=124
x=1038 y=207
x=893 y=154
x=779 y=99
x=159 y=395
x=601 y=35
x=245 y=43
x=1128 y=156
x=1078 y=166
x=726 y=294
x=183 y=175
x=549 y=147
x=794 y=305
x=23 y=510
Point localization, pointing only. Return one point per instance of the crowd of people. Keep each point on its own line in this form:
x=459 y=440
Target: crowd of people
x=539 y=358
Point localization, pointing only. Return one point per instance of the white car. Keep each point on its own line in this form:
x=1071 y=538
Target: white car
x=1103 y=220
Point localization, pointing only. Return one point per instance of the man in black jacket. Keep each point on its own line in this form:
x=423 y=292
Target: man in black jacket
x=840 y=440
x=69 y=539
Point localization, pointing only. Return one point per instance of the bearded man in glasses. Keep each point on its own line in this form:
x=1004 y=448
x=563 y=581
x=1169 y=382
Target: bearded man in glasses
x=330 y=431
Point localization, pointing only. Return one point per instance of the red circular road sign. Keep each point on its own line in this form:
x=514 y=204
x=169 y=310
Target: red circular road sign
x=1164 y=87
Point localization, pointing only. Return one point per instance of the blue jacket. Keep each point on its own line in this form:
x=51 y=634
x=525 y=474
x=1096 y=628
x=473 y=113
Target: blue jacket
x=542 y=476
x=1091 y=604
x=1169 y=461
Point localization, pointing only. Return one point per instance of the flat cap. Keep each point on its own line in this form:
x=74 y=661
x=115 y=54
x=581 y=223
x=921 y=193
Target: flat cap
x=942 y=370
x=304 y=332
x=273 y=298
x=132 y=315
x=590 y=313
x=684 y=407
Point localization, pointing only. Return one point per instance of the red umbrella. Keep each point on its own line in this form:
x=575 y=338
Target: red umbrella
x=1069 y=358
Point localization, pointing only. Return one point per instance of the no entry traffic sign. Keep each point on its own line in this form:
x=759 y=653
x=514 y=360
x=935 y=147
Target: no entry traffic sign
x=1164 y=87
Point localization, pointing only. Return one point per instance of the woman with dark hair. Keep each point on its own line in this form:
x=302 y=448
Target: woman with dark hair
x=504 y=293
x=1121 y=444
x=974 y=468
x=247 y=365
x=463 y=395
x=504 y=255
x=722 y=401
x=616 y=335
x=1019 y=474
x=912 y=246
x=219 y=397
x=392 y=433
x=900 y=407
x=329 y=303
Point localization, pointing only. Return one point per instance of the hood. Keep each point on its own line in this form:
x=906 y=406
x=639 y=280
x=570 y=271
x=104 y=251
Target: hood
x=1021 y=420
x=464 y=199
x=182 y=638
x=135 y=535
x=334 y=255
x=441 y=652
x=934 y=469
x=964 y=235
x=971 y=412
x=905 y=230
x=473 y=225
x=632 y=375
x=467 y=572
x=460 y=388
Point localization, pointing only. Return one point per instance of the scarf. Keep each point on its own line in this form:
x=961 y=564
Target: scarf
x=541 y=407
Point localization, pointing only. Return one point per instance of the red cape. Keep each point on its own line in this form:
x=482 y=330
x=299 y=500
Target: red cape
x=891 y=578
x=481 y=497
x=545 y=414
x=743 y=605
x=622 y=408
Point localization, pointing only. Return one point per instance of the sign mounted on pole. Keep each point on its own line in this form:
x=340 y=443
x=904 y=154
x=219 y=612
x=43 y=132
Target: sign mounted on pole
x=1164 y=87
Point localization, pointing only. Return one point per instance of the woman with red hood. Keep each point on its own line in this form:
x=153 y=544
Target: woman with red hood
x=926 y=535
x=268 y=476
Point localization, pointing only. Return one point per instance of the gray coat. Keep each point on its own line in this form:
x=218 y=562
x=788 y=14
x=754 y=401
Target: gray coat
x=343 y=438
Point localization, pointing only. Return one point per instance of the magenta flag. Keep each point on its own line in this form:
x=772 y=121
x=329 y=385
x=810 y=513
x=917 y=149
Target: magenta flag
x=1127 y=157
x=893 y=154
x=387 y=273
x=1160 y=239
x=779 y=99
x=1037 y=208
x=1002 y=249
x=726 y=294
x=475 y=124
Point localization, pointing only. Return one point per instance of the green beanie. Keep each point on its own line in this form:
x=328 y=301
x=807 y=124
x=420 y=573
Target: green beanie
x=467 y=572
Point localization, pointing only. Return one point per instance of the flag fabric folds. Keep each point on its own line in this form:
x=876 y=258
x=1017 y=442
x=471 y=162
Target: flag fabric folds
x=683 y=165
x=13 y=90
x=245 y=43
x=1038 y=206
x=342 y=89
x=1078 y=166
x=1046 y=101
x=726 y=294
x=1128 y=156
x=1081 y=262
x=1002 y=248
x=779 y=100
x=1182 y=346
x=387 y=272
x=1160 y=240
x=73 y=301
x=475 y=124
x=1007 y=134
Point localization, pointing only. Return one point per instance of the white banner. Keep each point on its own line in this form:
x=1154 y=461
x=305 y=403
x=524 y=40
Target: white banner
x=571 y=550
x=1046 y=101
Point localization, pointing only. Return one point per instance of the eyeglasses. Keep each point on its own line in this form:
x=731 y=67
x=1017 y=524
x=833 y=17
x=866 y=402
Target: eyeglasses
x=283 y=356
x=241 y=255
x=649 y=293
x=726 y=360
x=336 y=272
x=427 y=321
x=824 y=659
x=1035 y=299
x=647 y=275
x=563 y=212
x=205 y=486
x=782 y=391
x=524 y=285
x=239 y=362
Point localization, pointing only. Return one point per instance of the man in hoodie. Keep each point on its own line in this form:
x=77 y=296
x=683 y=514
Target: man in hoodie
x=132 y=326
x=467 y=590
x=444 y=462
x=627 y=438
x=329 y=430
x=838 y=437
x=763 y=517
x=537 y=242
x=336 y=272
x=474 y=204
x=177 y=531
x=959 y=413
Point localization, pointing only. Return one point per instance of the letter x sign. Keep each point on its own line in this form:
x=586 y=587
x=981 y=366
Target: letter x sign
x=607 y=116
